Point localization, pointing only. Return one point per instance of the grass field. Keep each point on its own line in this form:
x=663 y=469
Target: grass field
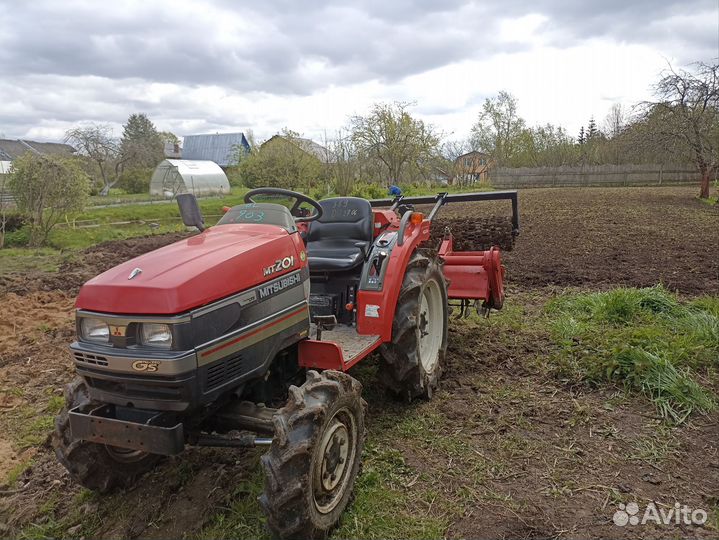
x=118 y=217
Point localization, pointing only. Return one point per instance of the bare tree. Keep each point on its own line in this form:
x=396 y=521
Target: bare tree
x=97 y=144
x=456 y=170
x=392 y=136
x=615 y=121
x=343 y=162
x=685 y=118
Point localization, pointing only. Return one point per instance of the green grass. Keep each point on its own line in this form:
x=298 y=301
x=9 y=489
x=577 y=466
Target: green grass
x=243 y=518
x=118 y=196
x=654 y=447
x=53 y=520
x=15 y=260
x=645 y=339
x=382 y=508
x=30 y=424
x=16 y=472
x=132 y=216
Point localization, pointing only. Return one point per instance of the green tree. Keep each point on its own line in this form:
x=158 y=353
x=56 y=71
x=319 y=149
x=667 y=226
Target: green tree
x=398 y=142
x=499 y=128
x=592 y=129
x=169 y=137
x=544 y=146
x=593 y=149
x=582 y=136
x=281 y=162
x=141 y=143
x=45 y=189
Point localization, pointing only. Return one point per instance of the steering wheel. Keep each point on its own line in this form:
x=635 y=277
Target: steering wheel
x=298 y=197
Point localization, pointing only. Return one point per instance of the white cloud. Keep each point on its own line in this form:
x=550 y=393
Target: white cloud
x=229 y=65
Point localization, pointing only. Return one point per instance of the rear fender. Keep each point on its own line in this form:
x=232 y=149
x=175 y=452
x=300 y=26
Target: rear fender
x=375 y=309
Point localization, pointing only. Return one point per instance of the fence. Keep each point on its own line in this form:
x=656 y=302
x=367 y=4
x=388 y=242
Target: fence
x=593 y=175
x=6 y=199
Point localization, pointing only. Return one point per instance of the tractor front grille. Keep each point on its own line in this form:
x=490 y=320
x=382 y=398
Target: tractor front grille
x=91 y=359
x=129 y=388
x=225 y=371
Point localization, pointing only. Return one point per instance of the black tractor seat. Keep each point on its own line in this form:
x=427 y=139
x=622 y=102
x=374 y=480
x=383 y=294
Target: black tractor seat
x=339 y=240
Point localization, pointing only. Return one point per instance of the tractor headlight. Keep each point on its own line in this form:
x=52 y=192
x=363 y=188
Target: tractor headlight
x=94 y=330
x=156 y=335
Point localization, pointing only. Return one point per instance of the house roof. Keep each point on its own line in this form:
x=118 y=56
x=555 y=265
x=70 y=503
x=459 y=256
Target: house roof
x=218 y=147
x=311 y=147
x=308 y=145
x=12 y=149
x=473 y=153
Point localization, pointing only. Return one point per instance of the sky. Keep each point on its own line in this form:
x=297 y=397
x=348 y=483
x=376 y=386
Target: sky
x=232 y=65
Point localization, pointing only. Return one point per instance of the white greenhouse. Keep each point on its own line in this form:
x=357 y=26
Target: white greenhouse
x=174 y=176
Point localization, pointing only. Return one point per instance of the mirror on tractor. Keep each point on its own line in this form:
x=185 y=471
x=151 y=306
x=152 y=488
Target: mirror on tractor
x=190 y=211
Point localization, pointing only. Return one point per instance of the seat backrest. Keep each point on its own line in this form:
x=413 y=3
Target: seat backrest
x=344 y=218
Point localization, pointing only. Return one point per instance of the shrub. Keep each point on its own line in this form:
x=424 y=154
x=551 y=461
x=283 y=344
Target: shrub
x=234 y=176
x=369 y=191
x=135 y=181
x=46 y=188
x=18 y=238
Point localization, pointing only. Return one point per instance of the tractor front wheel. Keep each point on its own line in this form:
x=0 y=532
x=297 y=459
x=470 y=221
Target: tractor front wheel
x=314 y=459
x=412 y=363
x=95 y=466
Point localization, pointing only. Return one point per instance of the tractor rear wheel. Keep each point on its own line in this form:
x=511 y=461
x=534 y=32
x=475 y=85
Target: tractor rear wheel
x=412 y=363
x=95 y=466
x=311 y=467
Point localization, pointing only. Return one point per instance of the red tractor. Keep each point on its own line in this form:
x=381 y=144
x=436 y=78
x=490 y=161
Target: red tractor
x=242 y=335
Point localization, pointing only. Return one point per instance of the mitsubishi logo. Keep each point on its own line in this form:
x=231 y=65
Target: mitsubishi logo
x=134 y=273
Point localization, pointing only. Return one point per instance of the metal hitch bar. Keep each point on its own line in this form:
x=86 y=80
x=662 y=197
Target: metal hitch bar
x=243 y=440
x=441 y=199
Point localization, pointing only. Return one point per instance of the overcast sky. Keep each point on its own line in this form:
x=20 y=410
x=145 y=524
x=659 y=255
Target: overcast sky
x=228 y=65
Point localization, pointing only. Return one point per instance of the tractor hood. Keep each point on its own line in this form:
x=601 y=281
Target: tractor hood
x=219 y=262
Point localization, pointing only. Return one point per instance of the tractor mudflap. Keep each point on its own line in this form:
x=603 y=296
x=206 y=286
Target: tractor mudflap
x=473 y=275
x=150 y=431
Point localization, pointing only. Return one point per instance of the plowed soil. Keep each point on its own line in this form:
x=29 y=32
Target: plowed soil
x=603 y=237
x=473 y=233
x=93 y=261
x=509 y=453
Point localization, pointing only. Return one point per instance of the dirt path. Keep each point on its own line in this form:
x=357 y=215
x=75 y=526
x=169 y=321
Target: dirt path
x=505 y=450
